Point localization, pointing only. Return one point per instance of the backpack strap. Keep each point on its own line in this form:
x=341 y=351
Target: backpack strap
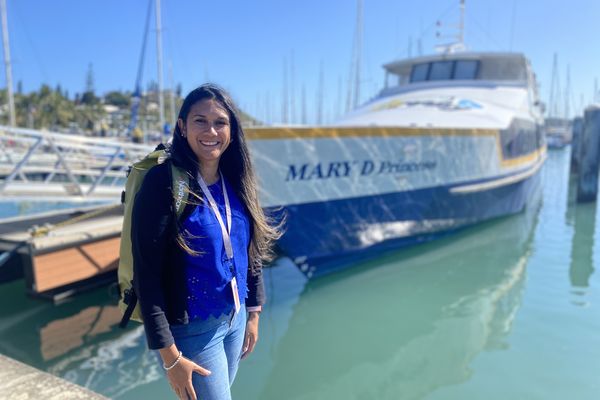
x=181 y=188
x=129 y=298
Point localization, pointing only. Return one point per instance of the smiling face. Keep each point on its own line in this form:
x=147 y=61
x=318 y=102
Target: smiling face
x=207 y=130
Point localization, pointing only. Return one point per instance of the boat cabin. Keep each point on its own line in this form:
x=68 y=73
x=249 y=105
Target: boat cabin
x=496 y=67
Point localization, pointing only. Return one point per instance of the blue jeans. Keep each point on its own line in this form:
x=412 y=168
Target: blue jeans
x=216 y=346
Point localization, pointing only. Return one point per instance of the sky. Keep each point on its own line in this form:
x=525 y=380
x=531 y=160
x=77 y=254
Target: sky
x=246 y=45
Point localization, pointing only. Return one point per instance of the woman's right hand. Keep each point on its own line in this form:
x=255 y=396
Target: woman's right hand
x=180 y=378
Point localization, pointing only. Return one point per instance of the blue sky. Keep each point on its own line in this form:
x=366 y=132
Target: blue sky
x=242 y=44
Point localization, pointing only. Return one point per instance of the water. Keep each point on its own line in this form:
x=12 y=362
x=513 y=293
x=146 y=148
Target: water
x=13 y=209
x=508 y=309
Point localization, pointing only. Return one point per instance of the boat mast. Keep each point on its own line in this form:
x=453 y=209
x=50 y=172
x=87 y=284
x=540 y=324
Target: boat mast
x=173 y=117
x=461 y=25
x=568 y=94
x=358 y=54
x=284 y=95
x=353 y=96
x=292 y=90
x=554 y=99
x=7 y=64
x=320 y=94
x=161 y=100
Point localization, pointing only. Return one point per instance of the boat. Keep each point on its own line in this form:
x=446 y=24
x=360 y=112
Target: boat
x=559 y=133
x=453 y=139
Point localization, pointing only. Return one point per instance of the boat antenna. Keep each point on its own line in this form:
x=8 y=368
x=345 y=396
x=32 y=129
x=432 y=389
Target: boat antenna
x=458 y=43
x=7 y=63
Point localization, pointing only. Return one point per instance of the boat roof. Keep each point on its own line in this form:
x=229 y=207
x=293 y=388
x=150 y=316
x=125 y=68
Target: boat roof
x=403 y=67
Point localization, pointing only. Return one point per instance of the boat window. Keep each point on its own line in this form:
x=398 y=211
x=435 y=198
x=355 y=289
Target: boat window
x=419 y=72
x=466 y=69
x=441 y=70
x=503 y=69
x=487 y=68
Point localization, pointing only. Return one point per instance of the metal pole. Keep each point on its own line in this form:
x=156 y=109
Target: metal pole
x=11 y=100
x=461 y=35
x=172 y=97
x=161 y=102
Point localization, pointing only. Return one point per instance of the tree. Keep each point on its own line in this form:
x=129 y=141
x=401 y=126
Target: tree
x=89 y=79
x=89 y=97
x=116 y=99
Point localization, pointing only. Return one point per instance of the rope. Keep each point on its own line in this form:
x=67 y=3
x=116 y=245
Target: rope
x=38 y=231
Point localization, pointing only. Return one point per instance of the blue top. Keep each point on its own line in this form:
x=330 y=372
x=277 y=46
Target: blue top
x=208 y=275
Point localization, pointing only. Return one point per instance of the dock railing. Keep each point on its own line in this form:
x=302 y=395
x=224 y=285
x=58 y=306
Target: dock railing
x=47 y=165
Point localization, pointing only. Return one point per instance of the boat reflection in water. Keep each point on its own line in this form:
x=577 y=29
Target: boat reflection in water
x=400 y=329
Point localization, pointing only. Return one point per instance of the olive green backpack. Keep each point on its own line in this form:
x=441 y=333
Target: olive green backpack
x=179 y=182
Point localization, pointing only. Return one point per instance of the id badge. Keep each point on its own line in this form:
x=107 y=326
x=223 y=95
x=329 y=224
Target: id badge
x=236 y=295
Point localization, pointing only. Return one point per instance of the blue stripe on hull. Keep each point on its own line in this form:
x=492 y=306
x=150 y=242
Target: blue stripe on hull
x=325 y=236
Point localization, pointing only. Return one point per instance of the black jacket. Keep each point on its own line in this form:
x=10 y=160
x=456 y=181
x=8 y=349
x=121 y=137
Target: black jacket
x=158 y=270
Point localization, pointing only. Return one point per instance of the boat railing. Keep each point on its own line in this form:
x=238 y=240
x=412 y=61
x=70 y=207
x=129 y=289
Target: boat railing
x=47 y=164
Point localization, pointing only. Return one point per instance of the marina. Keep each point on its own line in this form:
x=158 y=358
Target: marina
x=439 y=226
x=513 y=300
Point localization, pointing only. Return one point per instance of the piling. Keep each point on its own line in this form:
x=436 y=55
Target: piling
x=20 y=381
x=587 y=184
x=576 y=144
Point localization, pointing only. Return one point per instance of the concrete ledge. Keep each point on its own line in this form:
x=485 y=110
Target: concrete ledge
x=19 y=381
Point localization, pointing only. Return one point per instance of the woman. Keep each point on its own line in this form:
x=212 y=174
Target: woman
x=199 y=277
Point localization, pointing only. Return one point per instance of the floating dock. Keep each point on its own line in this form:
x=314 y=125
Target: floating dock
x=63 y=252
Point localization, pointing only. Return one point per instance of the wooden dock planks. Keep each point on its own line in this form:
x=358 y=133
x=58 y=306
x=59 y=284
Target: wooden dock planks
x=80 y=262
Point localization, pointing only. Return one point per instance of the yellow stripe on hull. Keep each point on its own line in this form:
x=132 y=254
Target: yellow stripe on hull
x=525 y=159
x=337 y=132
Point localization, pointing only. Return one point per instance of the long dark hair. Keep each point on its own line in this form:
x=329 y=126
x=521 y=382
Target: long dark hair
x=235 y=165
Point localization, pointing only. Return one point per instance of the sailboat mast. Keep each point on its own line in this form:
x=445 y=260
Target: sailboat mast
x=173 y=117
x=358 y=52
x=7 y=63
x=284 y=95
x=161 y=101
x=568 y=94
x=461 y=25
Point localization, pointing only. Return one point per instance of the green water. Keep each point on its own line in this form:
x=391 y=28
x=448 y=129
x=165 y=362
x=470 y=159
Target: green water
x=506 y=310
